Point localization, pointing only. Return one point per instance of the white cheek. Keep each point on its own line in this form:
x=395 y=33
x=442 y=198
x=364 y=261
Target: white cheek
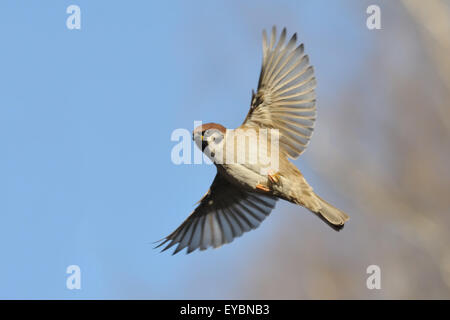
x=216 y=150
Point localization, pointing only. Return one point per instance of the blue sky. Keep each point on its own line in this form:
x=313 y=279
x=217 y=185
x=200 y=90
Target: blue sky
x=85 y=123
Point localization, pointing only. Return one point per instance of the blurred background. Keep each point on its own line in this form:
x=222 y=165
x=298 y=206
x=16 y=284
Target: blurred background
x=86 y=176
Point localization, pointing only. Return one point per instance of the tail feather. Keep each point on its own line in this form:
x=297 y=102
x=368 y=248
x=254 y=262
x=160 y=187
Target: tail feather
x=300 y=192
x=334 y=217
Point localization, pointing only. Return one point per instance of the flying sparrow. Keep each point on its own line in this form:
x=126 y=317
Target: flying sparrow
x=244 y=193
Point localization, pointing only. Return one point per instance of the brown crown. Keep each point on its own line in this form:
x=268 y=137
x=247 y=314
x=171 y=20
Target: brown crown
x=211 y=125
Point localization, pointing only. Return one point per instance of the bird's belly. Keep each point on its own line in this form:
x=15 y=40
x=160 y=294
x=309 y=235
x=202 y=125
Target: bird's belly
x=247 y=176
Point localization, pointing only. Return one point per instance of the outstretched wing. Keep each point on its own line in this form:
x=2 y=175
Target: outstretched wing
x=224 y=213
x=285 y=99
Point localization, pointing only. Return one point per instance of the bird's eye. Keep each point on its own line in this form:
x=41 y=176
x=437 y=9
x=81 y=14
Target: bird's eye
x=218 y=139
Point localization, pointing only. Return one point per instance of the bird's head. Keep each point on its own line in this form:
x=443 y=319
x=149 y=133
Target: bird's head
x=208 y=135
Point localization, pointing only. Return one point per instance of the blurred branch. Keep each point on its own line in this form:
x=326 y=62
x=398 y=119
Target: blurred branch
x=434 y=18
x=385 y=150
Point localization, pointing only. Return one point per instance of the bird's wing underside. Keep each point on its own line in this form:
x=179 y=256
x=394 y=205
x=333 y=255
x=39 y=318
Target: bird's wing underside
x=224 y=213
x=285 y=99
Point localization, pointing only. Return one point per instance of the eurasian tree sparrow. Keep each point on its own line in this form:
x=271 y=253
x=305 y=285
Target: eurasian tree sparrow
x=242 y=194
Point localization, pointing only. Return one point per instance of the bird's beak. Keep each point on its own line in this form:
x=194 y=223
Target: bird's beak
x=193 y=136
x=202 y=143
